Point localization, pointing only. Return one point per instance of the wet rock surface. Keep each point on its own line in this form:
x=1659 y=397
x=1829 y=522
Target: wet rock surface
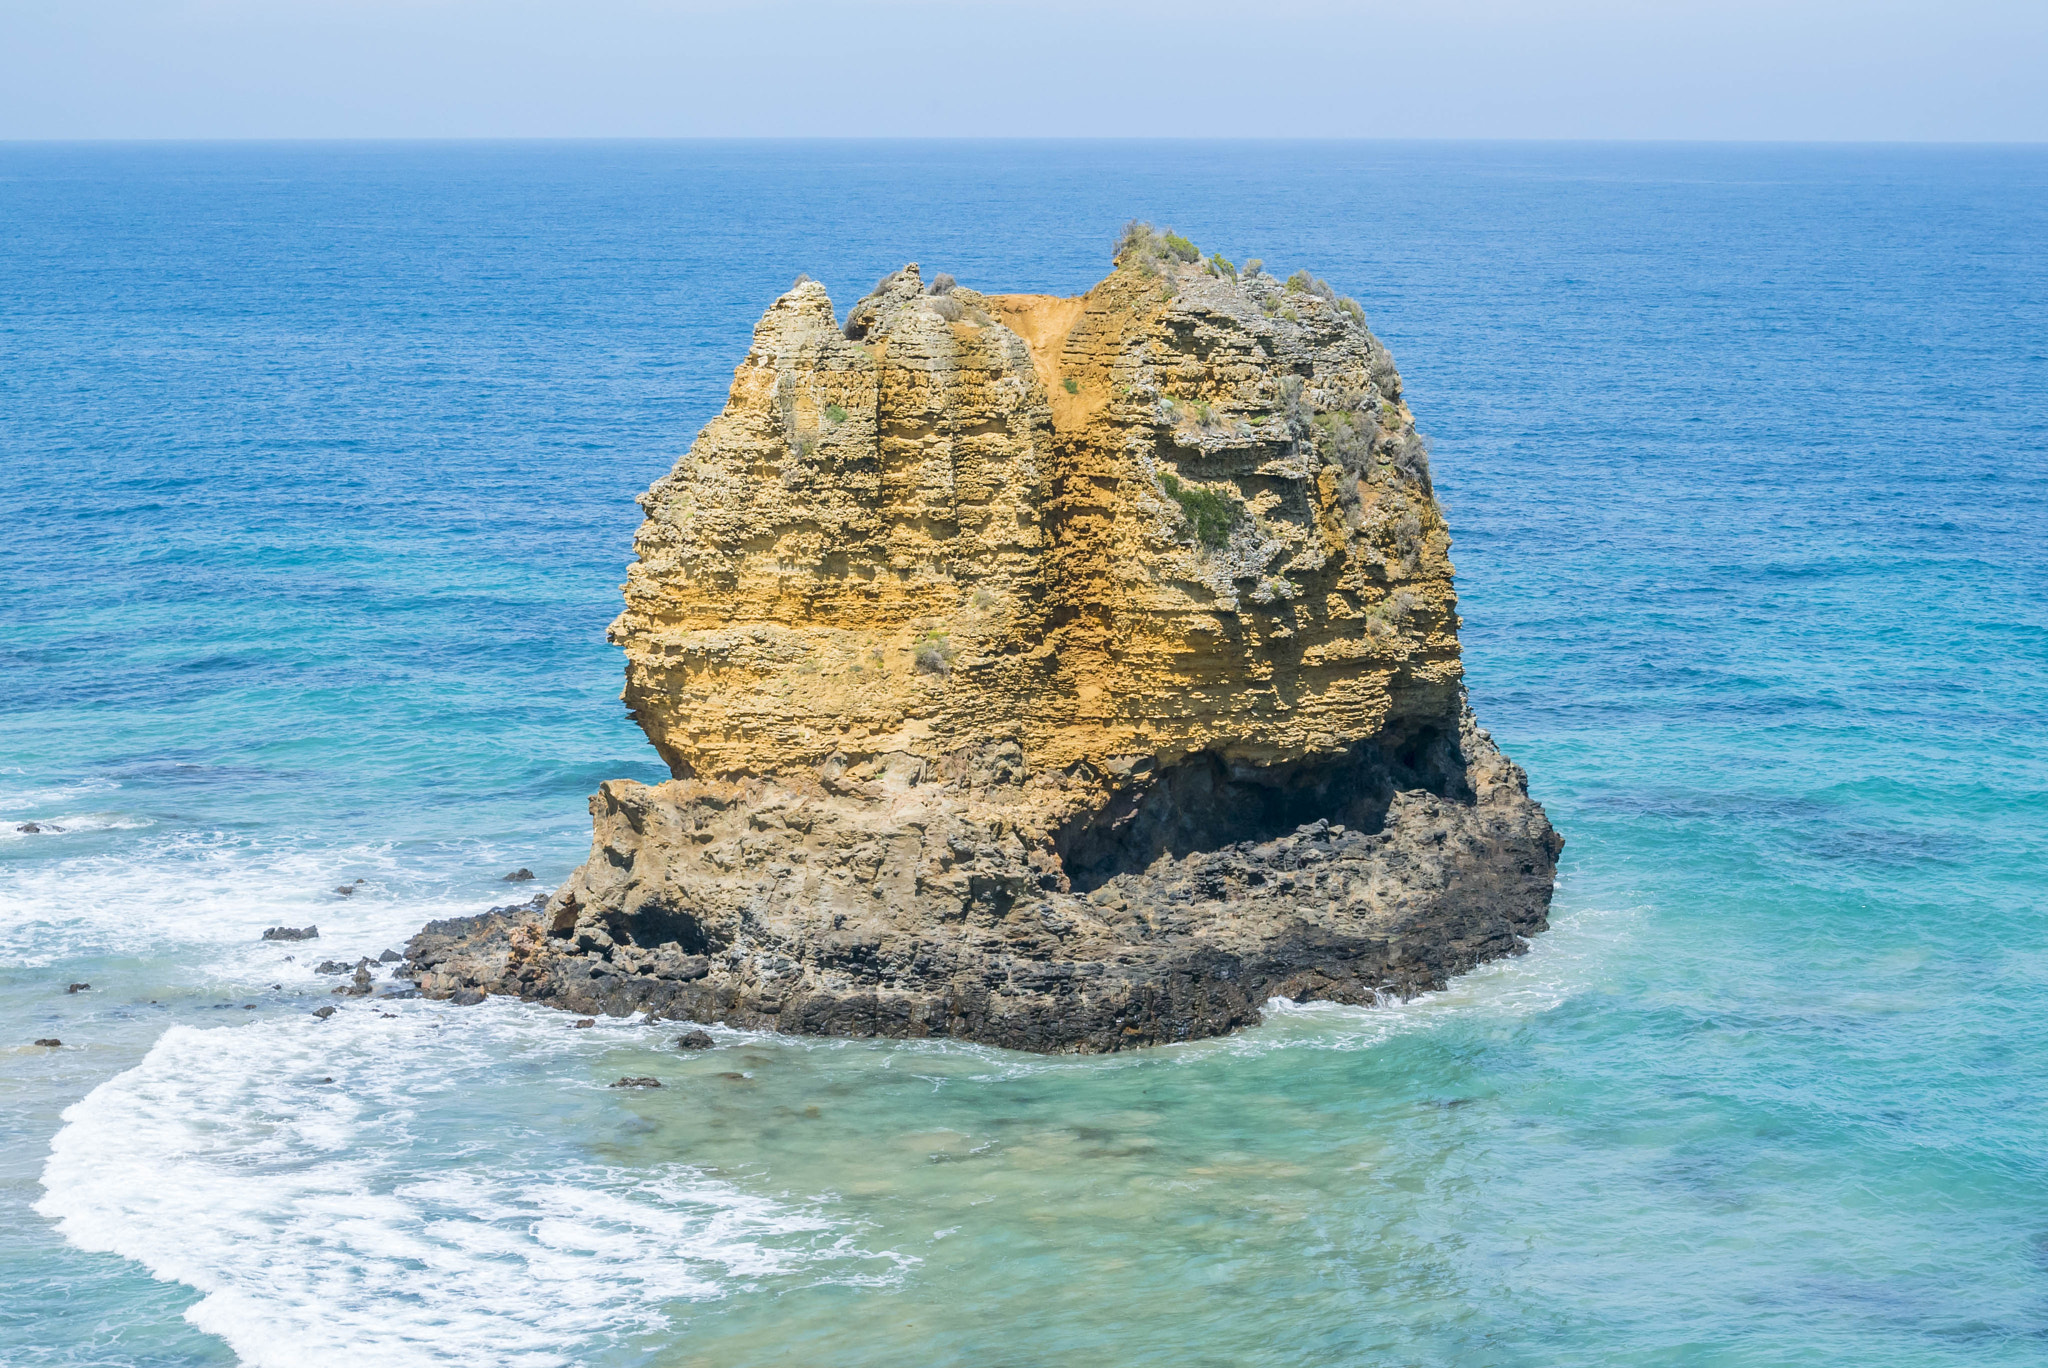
x=292 y=933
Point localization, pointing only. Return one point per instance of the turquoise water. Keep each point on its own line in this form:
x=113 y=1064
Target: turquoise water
x=317 y=467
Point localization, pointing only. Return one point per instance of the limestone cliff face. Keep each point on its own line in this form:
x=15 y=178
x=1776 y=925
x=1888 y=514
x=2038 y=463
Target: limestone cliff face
x=1060 y=673
x=1183 y=513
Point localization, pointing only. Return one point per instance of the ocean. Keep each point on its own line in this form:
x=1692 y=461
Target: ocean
x=317 y=469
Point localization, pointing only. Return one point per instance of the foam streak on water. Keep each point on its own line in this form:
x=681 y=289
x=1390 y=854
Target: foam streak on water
x=302 y=1181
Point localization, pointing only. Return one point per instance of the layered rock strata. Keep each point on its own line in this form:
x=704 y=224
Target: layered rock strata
x=1054 y=673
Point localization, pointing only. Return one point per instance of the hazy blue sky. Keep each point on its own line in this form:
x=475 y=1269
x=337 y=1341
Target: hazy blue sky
x=1819 y=69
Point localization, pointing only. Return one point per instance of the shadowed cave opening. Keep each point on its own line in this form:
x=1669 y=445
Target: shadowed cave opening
x=654 y=925
x=1205 y=802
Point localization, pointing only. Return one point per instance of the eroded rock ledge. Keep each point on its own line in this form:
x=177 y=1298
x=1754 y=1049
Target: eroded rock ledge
x=1053 y=673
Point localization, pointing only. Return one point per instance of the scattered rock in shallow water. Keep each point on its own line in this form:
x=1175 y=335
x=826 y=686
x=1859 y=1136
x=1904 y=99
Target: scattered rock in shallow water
x=51 y=1041
x=292 y=933
x=734 y=1077
x=78 y=988
x=468 y=997
x=332 y=967
x=695 y=1040
x=637 y=1083
x=360 y=985
x=39 y=828
x=387 y=1016
x=585 y=1024
x=323 y=1012
x=346 y=890
x=519 y=876
x=390 y=957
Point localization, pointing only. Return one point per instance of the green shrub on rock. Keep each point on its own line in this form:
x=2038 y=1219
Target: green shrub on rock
x=933 y=654
x=1145 y=248
x=1208 y=513
x=1301 y=282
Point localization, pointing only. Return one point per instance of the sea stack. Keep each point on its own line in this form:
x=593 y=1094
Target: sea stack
x=1060 y=674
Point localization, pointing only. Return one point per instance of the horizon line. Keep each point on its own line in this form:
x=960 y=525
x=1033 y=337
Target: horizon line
x=596 y=138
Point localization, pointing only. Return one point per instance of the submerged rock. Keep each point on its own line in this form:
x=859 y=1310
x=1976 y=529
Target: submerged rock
x=695 y=1040
x=50 y=1041
x=1055 y=673
x=292 y=933
x=78 y=988
x=637 y=1083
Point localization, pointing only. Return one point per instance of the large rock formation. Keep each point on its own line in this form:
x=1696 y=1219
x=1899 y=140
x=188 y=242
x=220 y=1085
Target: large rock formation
x=1056 y=673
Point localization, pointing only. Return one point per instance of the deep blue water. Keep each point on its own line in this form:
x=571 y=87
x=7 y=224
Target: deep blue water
x=317 y=468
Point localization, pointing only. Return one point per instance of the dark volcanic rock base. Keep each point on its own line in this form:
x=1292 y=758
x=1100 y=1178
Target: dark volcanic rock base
x=903 y=906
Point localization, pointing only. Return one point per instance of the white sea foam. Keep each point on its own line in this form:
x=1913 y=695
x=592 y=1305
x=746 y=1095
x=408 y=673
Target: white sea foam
x=14 y=800
x=77 y=823
x=332 y=1222
x=205 y=897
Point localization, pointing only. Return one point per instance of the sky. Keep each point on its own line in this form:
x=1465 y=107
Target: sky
x=1819 y=70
